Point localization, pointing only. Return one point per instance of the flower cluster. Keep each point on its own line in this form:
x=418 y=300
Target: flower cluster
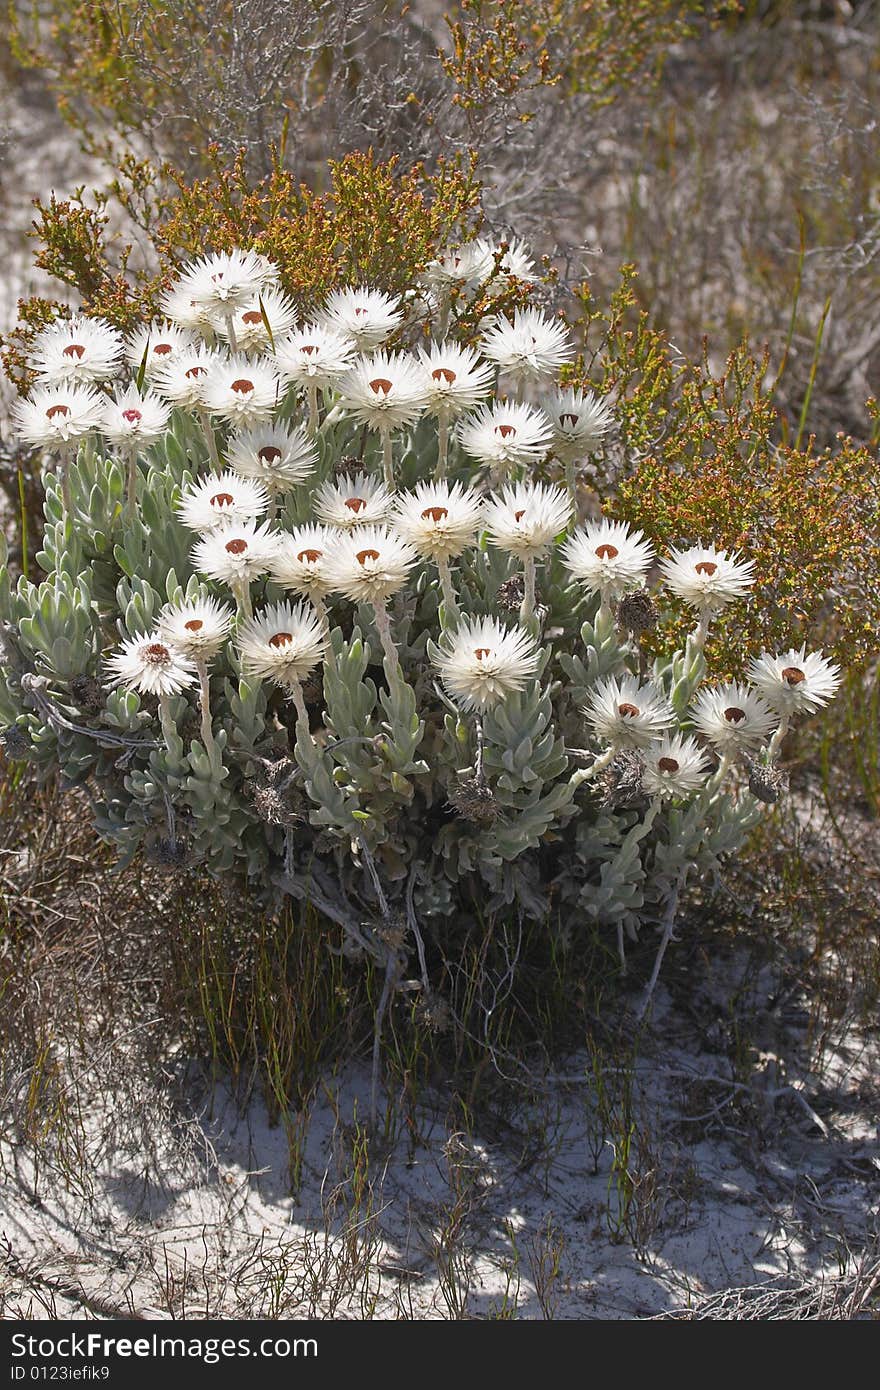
x=280 y=505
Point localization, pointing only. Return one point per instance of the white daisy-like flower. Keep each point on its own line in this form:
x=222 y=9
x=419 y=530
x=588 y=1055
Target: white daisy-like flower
x=226 y=281
x=504 y=256
x=278 y=455
x=524 y=518
x=707 y=579
x=282 y=643
x=794 y=682
x=58 y=415
x=314 y=355
x=151 y=665
x=196 y=627
x=78 y=351
x=221 y=499
x=154 y=346
x=627 y=714
x=505 y=435
x=133 y=420
x=455 y=379
x=359 y=499
x=369 y=564
x=249 y=322
x=182 y=378
x=732 y=717
x=437 y=519
x=580 y=420
x=385 y=391
x=461 y=265
x=236 y=554
x=301 y=561
x=529 y=347
x=607 y=558
x=242 y=390
x=676 y=766
x=365 y=316
x=483 y=662
x=188 y=314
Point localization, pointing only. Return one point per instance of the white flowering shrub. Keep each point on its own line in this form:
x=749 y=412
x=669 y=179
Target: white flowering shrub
x=321 y=611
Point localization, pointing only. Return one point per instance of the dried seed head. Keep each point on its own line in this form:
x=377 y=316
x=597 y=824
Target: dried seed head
x=636 y=612
x=433 y=1011
x=87 y=694
x=511 y=594
x=621 y=781
x=168 y=853
x=766 y=782
x=16 y=744
x=475 y=801
x=391 y=930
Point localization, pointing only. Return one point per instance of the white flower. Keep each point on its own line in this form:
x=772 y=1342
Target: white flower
x=278 y=455
x=134 y=419
x=580 y=420
x=357 y=500
x=505 y=435
x=156 y=345
x=439 y=520
x=242 y=390
x=524 y=518
x=196 y=627
x=366 y=317
x=794 y=682
x=187 y=313
x=732 y=717
x=627 y=714
x=58 y=415
x=529 y=347
x=77 y=350
x=220 y=499
x=369 y=564
x=236 y=554
x=706 y=578
x=483 y=662
x=455 y=379
x=225 y=282
x=301 y=561
x=607 y=558
x=676 y=766
x=505 y=256
x=386 y=391
x=150 y=665
x=314 y=355
x=283 y=643
x=182 y=378
x=461 y=265
x=250 y=320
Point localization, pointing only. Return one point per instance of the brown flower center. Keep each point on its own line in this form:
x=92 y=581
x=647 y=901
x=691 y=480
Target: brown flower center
x=443 y=374
x=162 y=349
x=281 y=639
x=360 y=313
x=194 y=372
x=667 y=765
x=132 y=416
x=364 y=555
x=481 y=652
x=242 y=387
x=607 y=552
x=505 y=431
x=355 y=504
x=236 y=547
x=793 y=675
x=627 y=711
x=734 y=715
x=74 y=350
x=268 y=454
x=252 y=316
x=309 y=348
x=707 y=567
x=435 y=514
x=194 y=625
x=380 y=386
x=222 y=499
x=569 y=420
x=57 y=410
x=518 y=516
x=156 y=654
x=309 y=557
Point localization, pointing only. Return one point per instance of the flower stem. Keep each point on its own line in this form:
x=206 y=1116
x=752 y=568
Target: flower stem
x=169 y=728
x=776 y=741
x=668 y=929
x=241 y=592
x=449 y=600
x=387 y=456
x=527 y=608
x=230 y=329
x=584 y=774
x=131 y=489
x=442 y=444
x=302 y=715
x=314 y=416
x=383 y=627
x=205 y=709
x=208 y=431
